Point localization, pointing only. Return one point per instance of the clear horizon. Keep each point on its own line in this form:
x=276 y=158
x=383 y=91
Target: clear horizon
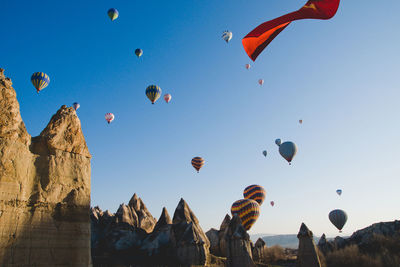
x=339 y=76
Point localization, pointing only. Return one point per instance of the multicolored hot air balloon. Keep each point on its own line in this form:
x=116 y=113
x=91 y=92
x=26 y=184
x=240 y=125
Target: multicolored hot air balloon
x=255 y=192
x=227 y=36
x=40 y=80
x=153 y=92
x=338 y=218
x=109 y=117
x=260 y=81
x=248 y=211
x=272 y=203
x=247 y=66
x=339 y=192
x=288 y=150
x=265 y=153
x=76 y=106
x=113 y=14
x=138 y=52
x=167 y=98
x=197 y=163
x=278 y=142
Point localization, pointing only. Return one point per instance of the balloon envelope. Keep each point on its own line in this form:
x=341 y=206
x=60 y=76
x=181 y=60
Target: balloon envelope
x=197 y=163
x=76 y=105
x=153 y=92
x=339 y=192
x=113 y=13
x=300 y=121
x=247 y=66
x=138 y=52
x=109 y=117
x=265 y=153
x=272 y=203
x=288 y=150
x=338 y=218
x=260 y=81
x=227 y=36
x=40 y=80
x=255 y=192
x=167 y=98
x=278 y=142
x=248 y=211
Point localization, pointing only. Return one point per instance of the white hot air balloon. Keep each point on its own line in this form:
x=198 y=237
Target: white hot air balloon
x=109 y=117
x=227 y=36
x=248 y=66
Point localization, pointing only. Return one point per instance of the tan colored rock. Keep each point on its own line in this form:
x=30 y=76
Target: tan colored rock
x=307 y=254
x=45 y=189
x=259 y=250
x=145 y=220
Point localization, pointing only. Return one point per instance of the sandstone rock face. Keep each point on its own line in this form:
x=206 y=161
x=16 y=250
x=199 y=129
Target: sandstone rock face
x=259 y=250
x=307 y=254
x=45 y=189
x=238 y=245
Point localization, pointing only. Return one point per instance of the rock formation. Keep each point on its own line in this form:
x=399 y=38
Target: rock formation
x=238 y=245
x=307 y=254
x=259 y=251
x=45 y=188
x=121 y=239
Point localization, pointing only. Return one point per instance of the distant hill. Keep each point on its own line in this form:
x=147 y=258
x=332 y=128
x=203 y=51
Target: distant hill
x=285 y=241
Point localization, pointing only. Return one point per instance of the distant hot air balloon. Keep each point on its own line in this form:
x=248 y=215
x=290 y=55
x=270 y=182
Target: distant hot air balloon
x=197 y=163
x=272 y=203
x=288 y=150
x=109 y=117
x=138 y=52
x=339 y=192
x=300 y=121
x=255 y=192
x=278 y=142
x=153 y=92
x=227 y=36
x=167 y=98
x=265 y=153
x=260 y=81
x=40 y=80
x=247 y=66
x=76 y=105
x=248 y=211
x=338 y=218
x=113 y=14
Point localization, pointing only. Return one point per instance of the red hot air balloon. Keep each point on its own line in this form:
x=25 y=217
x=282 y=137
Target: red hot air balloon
x=167 y=98
x=260 y=81
x=247 y=66
x=109 y=117
x=272 y=203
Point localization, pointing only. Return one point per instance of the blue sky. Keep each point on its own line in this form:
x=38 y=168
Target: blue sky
x=340 y=76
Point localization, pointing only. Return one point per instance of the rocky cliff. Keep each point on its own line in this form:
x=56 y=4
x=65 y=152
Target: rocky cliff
x=45 y=188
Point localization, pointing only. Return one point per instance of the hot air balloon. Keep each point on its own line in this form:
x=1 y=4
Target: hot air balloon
x=113 y=14
x=339 y=192
x=272 y=203
x=247 y=66
x=76 y=105
x=300 y=121
x=260 y=81
x=153 y=92
x=138 y=52
x=167 y=98
x=109 y=117
x=265 y=153
x=338 y=218
x=227 y=36
x=255 y=192
x=278 y=142
x=40 y=80
x=248 y=211
x=197 y=163
x=288 y=150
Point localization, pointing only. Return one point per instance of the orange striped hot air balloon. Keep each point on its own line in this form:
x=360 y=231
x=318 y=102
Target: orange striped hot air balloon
x=197 y=163
x=255 y=192
x=248 y=211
